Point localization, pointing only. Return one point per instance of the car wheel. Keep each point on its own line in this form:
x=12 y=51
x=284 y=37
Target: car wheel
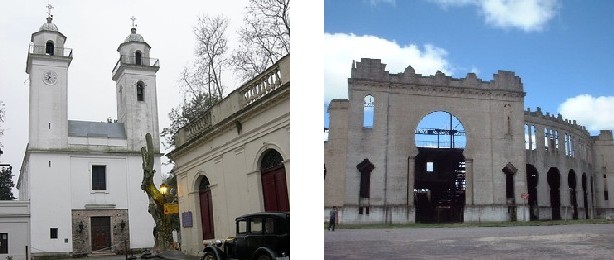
x=209 y=256
x=264 y=257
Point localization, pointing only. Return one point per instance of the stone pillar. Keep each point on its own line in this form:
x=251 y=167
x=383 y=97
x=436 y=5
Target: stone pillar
x=411 y=179
x=468 y=181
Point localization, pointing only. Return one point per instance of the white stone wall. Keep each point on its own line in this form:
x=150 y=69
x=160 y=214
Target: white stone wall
x=15 y=221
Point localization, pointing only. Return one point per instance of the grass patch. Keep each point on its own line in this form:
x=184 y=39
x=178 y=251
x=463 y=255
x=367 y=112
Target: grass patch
x=473 y=224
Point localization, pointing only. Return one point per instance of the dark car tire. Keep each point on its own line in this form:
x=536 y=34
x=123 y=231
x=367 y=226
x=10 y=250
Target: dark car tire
x=264 y=257
x=210 y=256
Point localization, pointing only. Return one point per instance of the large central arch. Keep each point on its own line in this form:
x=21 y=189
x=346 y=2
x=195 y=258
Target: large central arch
x=439 y=187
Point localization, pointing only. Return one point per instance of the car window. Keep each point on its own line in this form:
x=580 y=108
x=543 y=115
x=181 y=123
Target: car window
x=268 y=226
x=256 y=225
x=241 y=226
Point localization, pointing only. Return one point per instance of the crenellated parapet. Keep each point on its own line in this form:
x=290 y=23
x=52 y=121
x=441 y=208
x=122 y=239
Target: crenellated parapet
x=375 y=70
x=555 y=121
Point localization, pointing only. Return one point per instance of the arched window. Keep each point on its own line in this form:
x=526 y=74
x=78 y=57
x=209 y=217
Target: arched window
x=49 y=48
x=138 y=58
x=368 y=111
x=140 y=91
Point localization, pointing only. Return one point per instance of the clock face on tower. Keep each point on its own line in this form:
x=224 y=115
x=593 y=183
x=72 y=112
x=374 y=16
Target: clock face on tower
x=50 y=77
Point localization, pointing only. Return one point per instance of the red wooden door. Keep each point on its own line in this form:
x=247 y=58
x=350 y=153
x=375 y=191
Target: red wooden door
x=101 y=233
x=275 y=190
x=206 y=214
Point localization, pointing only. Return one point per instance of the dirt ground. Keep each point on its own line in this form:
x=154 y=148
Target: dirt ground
x=576 y=241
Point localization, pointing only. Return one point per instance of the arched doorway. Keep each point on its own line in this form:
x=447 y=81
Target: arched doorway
x=532 y=180
x=274 y=187
x=573 y=198
x=554 y=181
x=439 y=188
x=206 y=208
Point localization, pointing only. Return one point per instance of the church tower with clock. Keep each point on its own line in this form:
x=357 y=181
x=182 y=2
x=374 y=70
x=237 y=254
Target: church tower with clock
x=47 y=66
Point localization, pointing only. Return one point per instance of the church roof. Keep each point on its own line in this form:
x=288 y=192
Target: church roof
x=48 y=26
x=96 y=129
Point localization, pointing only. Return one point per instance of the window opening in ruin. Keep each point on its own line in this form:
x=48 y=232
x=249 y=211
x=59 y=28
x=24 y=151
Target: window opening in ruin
x=429 y=166
x=365 y=168
x=439 y=192
x=532 y=180
x=546 y=139
x=530 y=143
x=605 y=187
x=554 y=181
x=556 y=139
x=368 y=111
x=571 y=182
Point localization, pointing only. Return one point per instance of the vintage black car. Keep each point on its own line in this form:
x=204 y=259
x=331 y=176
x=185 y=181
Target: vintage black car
x=259 y=236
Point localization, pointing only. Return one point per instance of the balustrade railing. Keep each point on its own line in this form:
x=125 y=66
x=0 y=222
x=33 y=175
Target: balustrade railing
x=53 y=51
x=134 y=60
x=254 y=90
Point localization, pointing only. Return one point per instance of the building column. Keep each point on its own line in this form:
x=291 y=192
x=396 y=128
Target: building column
x=469 y=182
x=411 y=179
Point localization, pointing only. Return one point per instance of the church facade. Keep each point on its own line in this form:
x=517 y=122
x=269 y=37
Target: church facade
x=235 y=160
x=493 y=160
x=83 y=179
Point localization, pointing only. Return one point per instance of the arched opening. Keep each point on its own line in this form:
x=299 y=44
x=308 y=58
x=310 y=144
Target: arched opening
x=584 y=197
x=365 y=168
x=49 y=48
x=532 y=180
x=140 y=91
x=137 y=58
x=554 y=181
x=573 y=198
x=368 y=110
x=274 y=187
x=206 y=208
x=439 y=190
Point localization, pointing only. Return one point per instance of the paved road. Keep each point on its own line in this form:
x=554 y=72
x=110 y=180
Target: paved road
x=581 y=241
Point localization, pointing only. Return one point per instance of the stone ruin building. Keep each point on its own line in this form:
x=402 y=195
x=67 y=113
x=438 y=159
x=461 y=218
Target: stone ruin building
x=493 y=161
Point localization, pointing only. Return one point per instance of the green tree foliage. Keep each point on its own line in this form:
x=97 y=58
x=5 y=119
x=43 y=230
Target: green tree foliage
x=6 y=183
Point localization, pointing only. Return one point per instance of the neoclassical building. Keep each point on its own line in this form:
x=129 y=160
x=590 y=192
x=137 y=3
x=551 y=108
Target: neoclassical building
x=235 y=160
x=83 y=179
x=492 y=160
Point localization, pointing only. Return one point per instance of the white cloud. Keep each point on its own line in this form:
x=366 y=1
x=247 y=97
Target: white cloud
x=589 y=111
x=527 y=15
x=340 y=49
x=377 y=2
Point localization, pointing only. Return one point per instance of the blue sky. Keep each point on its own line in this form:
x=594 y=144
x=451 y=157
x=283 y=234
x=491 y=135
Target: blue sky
x=561 y=49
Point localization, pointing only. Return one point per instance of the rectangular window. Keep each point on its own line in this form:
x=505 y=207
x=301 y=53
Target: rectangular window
x=269 y=226
x=53 y=233
x=605 y=194
x=429 y=167
x=241 y=227
x=256 y=226
x=99 y=177
x=4 y=243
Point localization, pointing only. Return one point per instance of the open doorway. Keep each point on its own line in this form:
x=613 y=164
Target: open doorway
x=439 y=191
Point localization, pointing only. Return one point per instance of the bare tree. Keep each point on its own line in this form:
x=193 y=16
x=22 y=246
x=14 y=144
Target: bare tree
x=264 y=38
x=201 y=83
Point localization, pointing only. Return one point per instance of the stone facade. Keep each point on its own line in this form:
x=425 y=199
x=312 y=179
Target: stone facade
x=81 y=234
x=493 y=116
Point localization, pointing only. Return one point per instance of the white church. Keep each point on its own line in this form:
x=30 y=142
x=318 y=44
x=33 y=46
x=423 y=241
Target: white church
x=83 y=179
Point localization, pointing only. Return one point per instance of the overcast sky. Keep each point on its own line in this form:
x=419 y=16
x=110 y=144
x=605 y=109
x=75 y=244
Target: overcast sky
x=94 y=31
x=562 y=50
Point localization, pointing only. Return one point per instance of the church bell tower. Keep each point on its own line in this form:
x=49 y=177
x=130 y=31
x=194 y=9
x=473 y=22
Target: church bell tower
x=135 y=77
x=47 y=67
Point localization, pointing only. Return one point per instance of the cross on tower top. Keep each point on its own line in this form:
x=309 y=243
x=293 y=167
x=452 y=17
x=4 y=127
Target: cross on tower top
x=49 y=6
x=133 y=19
